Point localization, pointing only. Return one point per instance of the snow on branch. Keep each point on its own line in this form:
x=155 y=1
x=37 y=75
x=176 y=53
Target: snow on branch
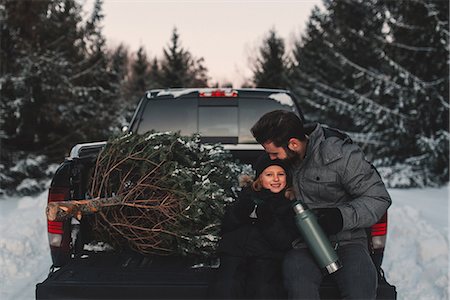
x=381 y=39
x=442 y=26
x=404 y=46
x=432 y=143
x=372 y=104
x=392 y=21
x=423 y=84
x=83 y=90
x=379 y=77
x=367 y=138
x=345 y=105
x=314 y=104
x=404 y=175
x=362 y=99
x=419 y=83
x=86 y=71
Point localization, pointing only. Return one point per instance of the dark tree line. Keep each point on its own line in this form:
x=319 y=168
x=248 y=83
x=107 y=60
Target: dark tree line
x=382 y=76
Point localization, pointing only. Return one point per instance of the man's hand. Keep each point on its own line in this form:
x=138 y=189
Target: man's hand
x=330 y=219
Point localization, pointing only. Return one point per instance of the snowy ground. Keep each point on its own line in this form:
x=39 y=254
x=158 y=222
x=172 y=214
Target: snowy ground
x=417 y=252
x=416 y=258
x=24 y=251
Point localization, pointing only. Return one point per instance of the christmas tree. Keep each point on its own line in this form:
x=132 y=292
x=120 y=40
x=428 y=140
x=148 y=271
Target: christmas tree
x=159 y=193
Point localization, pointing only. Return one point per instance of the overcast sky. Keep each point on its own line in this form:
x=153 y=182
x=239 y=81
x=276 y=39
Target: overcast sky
x=225 y=33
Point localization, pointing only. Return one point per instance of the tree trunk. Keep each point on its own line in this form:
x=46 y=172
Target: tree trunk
x=58 y=211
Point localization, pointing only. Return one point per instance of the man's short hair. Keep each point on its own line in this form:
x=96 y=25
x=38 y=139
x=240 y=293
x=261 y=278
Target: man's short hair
x=278 y=127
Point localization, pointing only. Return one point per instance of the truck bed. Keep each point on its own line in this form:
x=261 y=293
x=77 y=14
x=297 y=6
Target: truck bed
x=133 y=276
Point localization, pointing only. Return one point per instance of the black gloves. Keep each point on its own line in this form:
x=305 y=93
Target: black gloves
x=330 y=219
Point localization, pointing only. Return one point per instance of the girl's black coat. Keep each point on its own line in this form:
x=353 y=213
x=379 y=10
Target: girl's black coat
x=268 y=235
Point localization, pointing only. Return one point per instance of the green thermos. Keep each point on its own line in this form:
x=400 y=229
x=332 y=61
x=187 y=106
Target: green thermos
x=315 y=238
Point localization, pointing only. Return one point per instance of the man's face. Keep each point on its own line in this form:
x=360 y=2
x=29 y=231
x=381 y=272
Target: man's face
x=282 y=153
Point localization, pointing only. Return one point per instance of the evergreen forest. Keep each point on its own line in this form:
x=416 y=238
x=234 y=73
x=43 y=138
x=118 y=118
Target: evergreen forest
x=382 y=77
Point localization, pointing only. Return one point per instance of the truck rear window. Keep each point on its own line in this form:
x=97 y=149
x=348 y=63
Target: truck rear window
x=170 y=115
x=218 y=120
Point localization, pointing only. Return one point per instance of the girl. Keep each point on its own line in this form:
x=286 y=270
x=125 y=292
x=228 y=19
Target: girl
x=256 y=231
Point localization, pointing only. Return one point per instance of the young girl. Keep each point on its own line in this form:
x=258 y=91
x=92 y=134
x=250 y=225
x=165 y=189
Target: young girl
x=256 y=231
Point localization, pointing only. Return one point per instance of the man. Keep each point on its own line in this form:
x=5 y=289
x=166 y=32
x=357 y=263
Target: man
x=331 y=175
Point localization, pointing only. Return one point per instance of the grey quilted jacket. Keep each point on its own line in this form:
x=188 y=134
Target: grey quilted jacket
x=335 y=173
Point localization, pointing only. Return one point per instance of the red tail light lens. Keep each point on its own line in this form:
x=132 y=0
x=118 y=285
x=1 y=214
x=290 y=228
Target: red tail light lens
x=380 y=228
x=379 y=232
x=55 y=229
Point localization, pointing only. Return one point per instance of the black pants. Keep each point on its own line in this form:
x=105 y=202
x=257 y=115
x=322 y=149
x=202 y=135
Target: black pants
x=357 y=279
x=247 y=278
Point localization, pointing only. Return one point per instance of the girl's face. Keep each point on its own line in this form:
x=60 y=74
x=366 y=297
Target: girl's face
x=273 y=178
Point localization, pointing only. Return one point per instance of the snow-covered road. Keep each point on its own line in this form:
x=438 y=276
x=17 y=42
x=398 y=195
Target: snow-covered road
x=416 y=258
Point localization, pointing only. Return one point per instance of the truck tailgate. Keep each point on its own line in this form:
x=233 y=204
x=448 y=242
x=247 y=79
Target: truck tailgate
x=133 y=276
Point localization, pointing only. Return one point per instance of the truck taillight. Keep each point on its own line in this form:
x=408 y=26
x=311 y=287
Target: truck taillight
x=219 y=93
x=55 y=229
x=379 y=232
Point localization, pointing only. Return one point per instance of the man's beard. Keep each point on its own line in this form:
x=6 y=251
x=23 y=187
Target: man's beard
x=292 y=157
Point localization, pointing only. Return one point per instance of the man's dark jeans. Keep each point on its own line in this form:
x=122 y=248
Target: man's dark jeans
x=357 y=279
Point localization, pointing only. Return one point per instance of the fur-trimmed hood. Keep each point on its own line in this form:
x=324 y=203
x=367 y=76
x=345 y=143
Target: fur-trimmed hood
x=245 y=180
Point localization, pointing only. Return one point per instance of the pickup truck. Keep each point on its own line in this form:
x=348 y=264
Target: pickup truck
x=220 y=116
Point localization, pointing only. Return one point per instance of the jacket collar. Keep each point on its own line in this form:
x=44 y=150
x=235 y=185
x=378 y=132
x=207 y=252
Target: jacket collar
x=329 y=152
x=315 y=137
